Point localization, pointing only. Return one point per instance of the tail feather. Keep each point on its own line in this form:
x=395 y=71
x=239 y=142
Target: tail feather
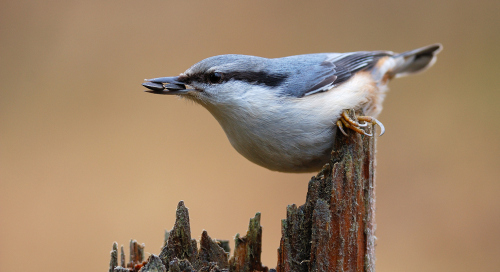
x=415 y=61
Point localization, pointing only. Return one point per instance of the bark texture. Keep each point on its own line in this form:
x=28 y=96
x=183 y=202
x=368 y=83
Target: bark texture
x=334 y=229
x=248 y=249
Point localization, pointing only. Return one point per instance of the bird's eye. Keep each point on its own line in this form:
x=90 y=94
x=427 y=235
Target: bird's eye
x=215 y=77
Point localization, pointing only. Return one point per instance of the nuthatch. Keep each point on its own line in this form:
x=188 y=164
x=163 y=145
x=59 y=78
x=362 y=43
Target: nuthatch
x=283 y=113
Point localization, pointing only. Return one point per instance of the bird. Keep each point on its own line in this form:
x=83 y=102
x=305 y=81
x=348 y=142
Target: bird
x=283 y=113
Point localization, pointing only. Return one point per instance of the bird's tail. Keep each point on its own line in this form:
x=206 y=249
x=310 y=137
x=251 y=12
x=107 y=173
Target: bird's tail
x=415 y=61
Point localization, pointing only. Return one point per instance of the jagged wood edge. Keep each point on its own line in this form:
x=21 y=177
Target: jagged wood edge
x=313 y=238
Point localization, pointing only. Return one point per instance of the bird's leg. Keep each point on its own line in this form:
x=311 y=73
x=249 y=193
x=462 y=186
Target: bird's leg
x=348 y=122
x=347 y=118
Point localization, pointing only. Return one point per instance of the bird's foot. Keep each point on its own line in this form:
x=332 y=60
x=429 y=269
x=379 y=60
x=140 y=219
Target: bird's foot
x=353 y=123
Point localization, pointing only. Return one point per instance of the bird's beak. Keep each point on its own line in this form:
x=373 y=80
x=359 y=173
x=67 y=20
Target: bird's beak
x=165 y=85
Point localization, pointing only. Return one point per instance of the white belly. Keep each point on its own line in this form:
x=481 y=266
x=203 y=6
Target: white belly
x=281 y=144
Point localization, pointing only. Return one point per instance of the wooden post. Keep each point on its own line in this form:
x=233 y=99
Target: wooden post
x=332 y=231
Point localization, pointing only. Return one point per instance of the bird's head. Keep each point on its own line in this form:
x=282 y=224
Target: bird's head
x=221 y=80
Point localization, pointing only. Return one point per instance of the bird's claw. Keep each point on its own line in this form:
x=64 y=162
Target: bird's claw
x=346 y=121
x=369 y=119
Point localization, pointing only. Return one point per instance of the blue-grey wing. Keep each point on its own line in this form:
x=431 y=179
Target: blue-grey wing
x=334 y=69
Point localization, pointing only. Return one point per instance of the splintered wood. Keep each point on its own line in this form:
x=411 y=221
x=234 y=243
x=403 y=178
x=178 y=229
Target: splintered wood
x=332 y=231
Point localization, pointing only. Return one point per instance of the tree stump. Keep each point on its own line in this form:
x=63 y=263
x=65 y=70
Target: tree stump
x=332 y=231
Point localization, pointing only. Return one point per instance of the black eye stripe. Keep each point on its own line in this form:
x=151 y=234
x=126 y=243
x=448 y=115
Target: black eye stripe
x=257 y=78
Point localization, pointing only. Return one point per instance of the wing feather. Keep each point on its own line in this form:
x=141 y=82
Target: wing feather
x=340 y=68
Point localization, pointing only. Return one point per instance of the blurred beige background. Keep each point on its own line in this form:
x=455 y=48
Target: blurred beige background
x=88 y=158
